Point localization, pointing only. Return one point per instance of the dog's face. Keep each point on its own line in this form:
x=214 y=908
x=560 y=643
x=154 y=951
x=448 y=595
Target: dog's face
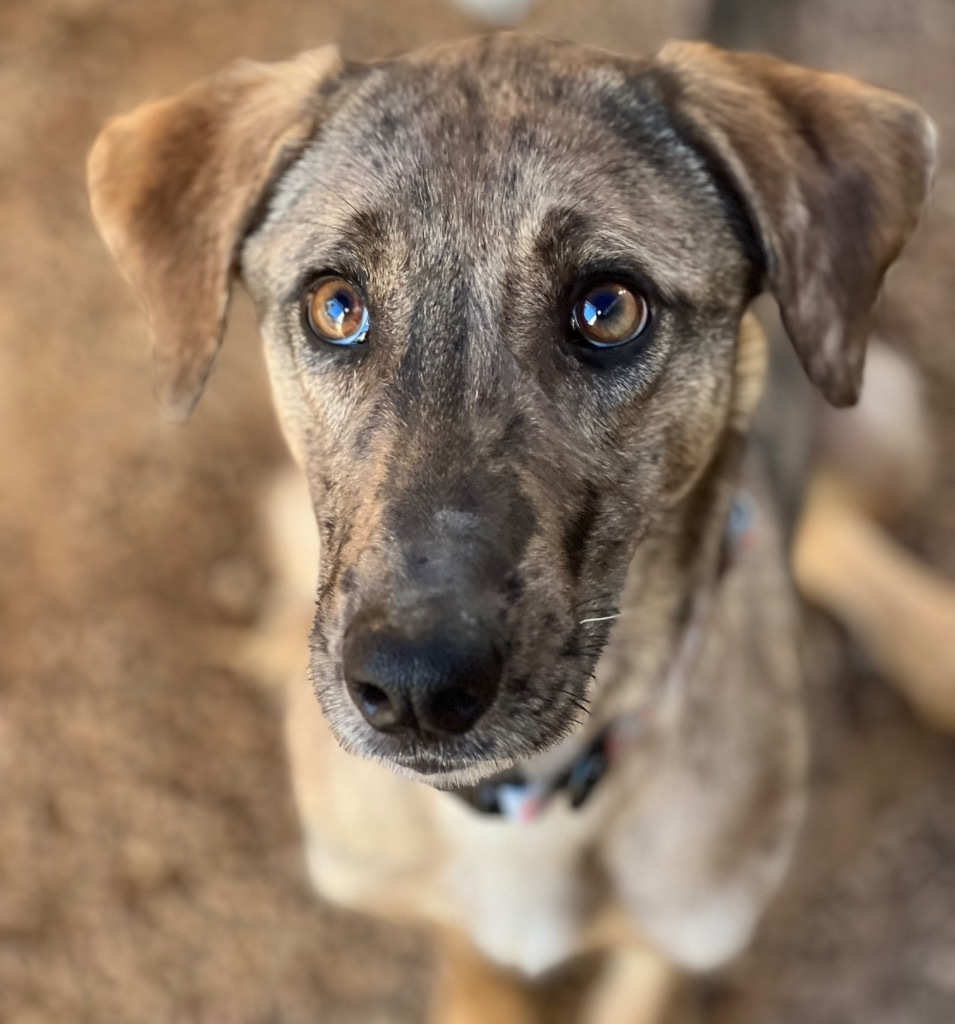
x=501 y=286
x=482 y=458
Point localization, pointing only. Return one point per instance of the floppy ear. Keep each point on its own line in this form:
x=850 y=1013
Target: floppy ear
x=832 y=173
x=174 y=187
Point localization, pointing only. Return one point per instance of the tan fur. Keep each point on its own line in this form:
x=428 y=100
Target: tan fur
x=875 y=462
x=470 y=990
x=901 y=612
x=174 y=224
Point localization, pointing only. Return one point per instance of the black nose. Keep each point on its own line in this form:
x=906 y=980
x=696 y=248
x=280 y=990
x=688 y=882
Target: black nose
x=439 y=683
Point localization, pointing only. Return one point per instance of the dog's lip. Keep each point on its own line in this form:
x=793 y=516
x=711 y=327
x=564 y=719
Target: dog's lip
x=444 y=776
x=442 y=769
x=425 y=763
x=419 y=765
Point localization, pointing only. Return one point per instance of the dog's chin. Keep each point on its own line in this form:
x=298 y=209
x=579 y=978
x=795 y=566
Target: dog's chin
x=445 y=776
x=463 y=762
x=440 y=768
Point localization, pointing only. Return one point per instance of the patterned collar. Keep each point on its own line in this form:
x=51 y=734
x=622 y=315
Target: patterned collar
x=516 y=798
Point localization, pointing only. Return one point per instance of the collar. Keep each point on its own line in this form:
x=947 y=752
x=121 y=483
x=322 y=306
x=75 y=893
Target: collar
x=514 y=797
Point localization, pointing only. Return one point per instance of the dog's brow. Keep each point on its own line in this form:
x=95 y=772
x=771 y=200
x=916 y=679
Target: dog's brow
x=341 y=259
x=359 y=240
x=570 y=239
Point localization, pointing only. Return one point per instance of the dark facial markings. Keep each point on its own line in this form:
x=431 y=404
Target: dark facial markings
x=432 y=365
x=579 y=528
x=474 y=525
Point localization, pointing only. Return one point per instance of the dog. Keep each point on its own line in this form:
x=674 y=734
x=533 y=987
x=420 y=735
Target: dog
x=505 y=291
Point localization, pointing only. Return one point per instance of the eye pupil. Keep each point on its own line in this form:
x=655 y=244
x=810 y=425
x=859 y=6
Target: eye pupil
x=610 y=314
x=599 y=305
x=336 y=312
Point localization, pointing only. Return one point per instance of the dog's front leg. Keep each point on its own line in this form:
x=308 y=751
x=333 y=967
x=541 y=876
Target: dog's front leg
x=469 y=989
x=636 y=983
x=635 y=986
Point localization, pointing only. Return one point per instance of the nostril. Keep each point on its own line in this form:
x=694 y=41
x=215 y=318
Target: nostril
x=453 y=710
x=383 y=710
x=373 y=701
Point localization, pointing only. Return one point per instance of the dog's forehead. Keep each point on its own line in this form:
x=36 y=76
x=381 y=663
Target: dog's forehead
x=475 y=147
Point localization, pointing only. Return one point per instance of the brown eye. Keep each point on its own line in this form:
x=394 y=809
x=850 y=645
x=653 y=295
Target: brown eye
x=609 y=314
x=336 y=312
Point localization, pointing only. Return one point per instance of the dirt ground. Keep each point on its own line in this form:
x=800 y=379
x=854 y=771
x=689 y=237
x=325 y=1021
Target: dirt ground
x=150 y=867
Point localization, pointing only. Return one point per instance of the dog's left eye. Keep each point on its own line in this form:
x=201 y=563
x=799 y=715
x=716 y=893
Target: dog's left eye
x=609 y=314
x=336 y=312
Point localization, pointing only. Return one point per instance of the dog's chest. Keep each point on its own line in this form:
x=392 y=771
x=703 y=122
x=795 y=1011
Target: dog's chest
x=525 y=893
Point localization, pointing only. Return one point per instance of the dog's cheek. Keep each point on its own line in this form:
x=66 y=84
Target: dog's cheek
x=690 y=416
x=289 y=401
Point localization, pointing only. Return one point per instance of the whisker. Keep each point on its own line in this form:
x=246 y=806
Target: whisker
x=599 y=618
x=579 y=705
x=345 y=202
x=582 y=704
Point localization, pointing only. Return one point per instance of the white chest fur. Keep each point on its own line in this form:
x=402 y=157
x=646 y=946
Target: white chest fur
x=517 y=888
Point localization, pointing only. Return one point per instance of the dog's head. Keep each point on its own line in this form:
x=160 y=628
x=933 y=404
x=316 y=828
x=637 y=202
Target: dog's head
x=501 y=286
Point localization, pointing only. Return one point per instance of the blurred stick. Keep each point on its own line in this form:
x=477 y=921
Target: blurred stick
x=898 y=608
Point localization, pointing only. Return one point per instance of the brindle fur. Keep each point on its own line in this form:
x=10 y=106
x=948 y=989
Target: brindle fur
x=469 y=463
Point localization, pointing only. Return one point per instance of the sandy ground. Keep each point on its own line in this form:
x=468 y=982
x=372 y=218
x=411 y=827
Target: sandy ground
x=150 y=869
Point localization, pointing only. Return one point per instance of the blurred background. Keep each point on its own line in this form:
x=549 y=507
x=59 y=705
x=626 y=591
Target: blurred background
x=150 y=866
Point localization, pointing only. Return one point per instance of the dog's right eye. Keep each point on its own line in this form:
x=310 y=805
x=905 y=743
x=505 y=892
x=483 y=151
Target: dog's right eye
x=335 y=312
